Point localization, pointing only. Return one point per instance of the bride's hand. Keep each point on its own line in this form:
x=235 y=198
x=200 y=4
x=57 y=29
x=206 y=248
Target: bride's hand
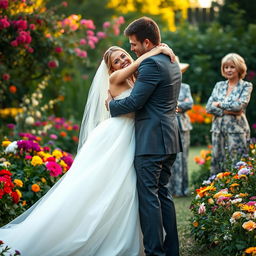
x=165 y=49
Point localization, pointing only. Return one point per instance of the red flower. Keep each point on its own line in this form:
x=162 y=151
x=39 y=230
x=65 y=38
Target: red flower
x=15 y=197
x=5 y=172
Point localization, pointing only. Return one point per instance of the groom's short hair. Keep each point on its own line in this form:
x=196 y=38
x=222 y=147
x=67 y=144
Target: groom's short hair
x=144 y=28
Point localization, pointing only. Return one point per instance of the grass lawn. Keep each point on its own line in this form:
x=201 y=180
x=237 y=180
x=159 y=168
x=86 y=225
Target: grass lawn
x=187 y=244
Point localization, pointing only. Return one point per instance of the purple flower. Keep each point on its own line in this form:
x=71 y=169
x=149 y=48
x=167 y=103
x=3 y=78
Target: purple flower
x=252 y=198
x=244 y=170
x=28 y=145
x=240 y=163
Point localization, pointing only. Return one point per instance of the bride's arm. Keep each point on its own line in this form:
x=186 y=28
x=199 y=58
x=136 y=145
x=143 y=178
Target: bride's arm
x=119 y=76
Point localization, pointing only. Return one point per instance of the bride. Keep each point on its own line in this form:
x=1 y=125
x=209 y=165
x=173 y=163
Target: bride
x=93 y=209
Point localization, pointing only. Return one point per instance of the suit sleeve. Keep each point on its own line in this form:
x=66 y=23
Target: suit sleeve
x=143 y=88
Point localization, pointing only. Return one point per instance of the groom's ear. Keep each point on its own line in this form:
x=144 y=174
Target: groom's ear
x=147 y=43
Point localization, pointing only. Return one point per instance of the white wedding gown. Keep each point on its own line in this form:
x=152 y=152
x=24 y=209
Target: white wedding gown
x=93 y=209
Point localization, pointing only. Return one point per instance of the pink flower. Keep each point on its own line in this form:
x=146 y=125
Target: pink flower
x=20 y=24
x=90 y=33
x=88 y=23
x=120 y=20
x=116 y=30
x=93 y=38
x=14 y=43
x=106 y=24
x=58 y=49
x=101 y=34
x=4 y=4
x=28 y=157
x=65 y=4
x=53 y=136
x=53 y=64
x=24 y=37
x=82 y=41
x=30 y=50
x=6 y=76
x=54 y=168
x=91 y=44
x=4 y=23
x=202 y=209
x=32 y=26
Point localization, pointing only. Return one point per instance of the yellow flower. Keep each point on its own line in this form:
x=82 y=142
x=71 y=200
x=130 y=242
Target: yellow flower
x=6 y=163
x=35 y=188
x=43 y=180
x=248 y=208
x=19 y=193
x=63 y=164
x=36 y=160
x=5 y=143
x=249 y=225
x=18 y=183
x=210 y=201
x=57 y=154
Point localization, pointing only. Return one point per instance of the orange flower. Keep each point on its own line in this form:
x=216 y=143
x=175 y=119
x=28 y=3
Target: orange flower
x=249 y=225
x=24 y=202
x=35 y=188
x=63 y=134
x=251 y=250
x=202 y=191
x=12 y=89
x=195 y=224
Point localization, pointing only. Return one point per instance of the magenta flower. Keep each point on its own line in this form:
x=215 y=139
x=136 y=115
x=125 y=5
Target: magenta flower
x=6 y=76
x=20 y=24
x=28 y=157
x=54 y=168
x=58 y=50
x=11 y=126
x=53 y=64
x=68 y=160
x=4 y=23
x=4 y=4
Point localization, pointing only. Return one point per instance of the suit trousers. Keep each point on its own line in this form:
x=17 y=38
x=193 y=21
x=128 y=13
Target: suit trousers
x=156 y=206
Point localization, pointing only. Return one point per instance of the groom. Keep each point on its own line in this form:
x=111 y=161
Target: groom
x=153 y=99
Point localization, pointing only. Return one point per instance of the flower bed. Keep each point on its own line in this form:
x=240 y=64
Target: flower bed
x=224 y=209
x=27 y=172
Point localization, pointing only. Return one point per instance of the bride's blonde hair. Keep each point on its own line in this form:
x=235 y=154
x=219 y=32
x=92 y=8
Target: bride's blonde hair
x=108 y=53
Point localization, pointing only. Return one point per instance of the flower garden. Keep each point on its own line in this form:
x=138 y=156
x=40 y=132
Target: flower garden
x=48 y=56
x=224 y=208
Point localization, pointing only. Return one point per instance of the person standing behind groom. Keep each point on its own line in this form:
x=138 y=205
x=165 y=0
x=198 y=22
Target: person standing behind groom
x=154 y=100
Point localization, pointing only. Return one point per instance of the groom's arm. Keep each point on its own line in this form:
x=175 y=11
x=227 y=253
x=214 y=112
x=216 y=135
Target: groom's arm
x=143 y=88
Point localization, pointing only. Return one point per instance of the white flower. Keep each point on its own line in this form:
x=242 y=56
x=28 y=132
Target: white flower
x=232 y=220
x=29 y=120
x=235 y=201
x=228 y=237
x=11 y=148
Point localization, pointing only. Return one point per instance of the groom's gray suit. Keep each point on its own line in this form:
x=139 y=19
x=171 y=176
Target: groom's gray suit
x=154 y=99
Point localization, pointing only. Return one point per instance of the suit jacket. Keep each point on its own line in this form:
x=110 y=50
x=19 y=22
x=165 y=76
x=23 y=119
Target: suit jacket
x=154 y=100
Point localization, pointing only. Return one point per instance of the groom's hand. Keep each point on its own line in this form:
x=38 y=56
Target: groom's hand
x=109 y=98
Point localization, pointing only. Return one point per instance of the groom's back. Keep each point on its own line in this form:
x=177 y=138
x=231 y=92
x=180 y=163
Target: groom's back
x=156 y=124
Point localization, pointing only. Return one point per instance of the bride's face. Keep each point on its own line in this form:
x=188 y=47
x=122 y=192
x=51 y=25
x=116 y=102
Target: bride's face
x=119 y=60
